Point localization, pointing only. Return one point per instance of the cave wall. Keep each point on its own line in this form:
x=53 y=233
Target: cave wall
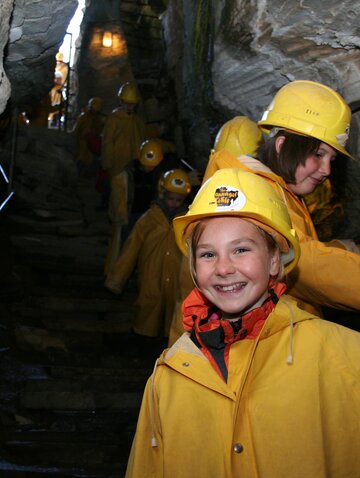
x=231 y=57
x=5 y=88
x=36 y=29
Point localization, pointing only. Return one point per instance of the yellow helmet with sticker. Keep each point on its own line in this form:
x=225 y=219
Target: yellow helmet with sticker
x=151 y=153
x=234 y=192
x=176 y=181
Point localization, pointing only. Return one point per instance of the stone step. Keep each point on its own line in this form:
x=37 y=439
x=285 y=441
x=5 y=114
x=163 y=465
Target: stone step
x=69 y=420
x=91 y=451
x=80 y=304
x=14 y=470
x=143 y=358
x=71 y=395
x=107 y=322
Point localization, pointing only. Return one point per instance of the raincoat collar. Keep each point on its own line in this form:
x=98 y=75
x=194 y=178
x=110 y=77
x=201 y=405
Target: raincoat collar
x=214 y=336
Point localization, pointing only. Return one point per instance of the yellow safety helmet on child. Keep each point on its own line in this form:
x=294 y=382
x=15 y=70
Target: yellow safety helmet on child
x=151 y=153
x=129 y=93
x=234 y=192
x=176 y=181
x=239 y=136
x=311 y=109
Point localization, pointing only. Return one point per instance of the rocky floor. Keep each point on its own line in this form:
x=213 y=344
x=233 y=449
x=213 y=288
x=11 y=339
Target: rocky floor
x=71 y=373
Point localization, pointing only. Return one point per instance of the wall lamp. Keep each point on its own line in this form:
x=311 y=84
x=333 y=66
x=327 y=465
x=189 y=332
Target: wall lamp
x=107 y=39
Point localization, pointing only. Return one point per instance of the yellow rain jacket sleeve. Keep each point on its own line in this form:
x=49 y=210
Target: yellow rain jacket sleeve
x=152 y=248
x=271 y=419
x=122 y=138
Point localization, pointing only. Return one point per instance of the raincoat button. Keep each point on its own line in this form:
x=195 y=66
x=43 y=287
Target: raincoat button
x=167 y=253
x=238 y=448
x=185 y=364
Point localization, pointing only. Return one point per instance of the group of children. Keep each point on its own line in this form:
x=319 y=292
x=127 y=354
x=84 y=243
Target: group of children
x=254 y=382
x=258 y=384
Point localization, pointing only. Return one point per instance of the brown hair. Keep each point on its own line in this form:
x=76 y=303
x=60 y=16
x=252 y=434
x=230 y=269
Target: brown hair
x=293 y=152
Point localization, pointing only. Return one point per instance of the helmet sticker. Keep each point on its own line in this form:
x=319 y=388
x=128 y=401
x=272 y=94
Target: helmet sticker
x=178 y=183
x=342 y=138
x=149 y=156
x=229 y=198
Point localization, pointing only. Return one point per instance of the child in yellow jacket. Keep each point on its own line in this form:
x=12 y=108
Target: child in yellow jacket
x=152 y=248
x=256 y=387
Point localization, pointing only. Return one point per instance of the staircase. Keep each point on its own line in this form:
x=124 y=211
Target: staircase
x=71 y=373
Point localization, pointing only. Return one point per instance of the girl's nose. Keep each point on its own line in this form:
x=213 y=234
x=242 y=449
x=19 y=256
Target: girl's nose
x=224 y=266
x=325 y=167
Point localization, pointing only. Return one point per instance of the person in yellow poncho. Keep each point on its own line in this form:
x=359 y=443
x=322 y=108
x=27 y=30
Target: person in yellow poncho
x=236 y=137
x=88 y=129
x=152 y=249
x=124 y=132
x=256 y=387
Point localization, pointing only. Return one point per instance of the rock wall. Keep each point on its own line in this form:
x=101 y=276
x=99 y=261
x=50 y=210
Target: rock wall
x=37 y=29
x=5 y=10
x=229 y=58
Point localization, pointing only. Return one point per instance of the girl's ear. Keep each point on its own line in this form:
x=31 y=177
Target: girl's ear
x=275 y=262
x=279 y=141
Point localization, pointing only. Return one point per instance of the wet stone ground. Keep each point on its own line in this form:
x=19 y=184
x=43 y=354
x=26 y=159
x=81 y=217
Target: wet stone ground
x=71 y=373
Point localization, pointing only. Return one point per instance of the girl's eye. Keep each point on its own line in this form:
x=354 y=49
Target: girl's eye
x=240 y=250
x=205 y=255
x=208 y=255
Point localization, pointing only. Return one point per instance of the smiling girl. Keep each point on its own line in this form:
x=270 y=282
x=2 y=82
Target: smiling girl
x=256 y=387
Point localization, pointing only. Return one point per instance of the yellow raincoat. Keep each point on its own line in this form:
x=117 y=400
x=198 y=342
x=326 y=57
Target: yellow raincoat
x=87 y=123
x=152 y=247
x=271 y=419
x=122 y=138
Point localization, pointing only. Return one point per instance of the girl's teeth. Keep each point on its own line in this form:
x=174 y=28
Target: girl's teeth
x=229 y=288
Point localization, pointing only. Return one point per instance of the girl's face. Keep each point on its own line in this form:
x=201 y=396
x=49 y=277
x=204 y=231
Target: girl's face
x=173 y=200
x=316 y=169
x=233 y=265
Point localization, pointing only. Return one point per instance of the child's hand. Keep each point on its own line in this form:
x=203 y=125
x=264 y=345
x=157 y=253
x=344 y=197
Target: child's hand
x=113 y=287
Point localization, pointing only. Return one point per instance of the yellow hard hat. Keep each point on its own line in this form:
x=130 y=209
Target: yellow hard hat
x=311 y=109
x=128 y=92
x=234 y=192
x=239 y=136
x=176 y=181
x=151 y=153
x=95 y=104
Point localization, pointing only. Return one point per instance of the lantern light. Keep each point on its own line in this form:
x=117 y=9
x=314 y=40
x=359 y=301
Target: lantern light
x=107 y=39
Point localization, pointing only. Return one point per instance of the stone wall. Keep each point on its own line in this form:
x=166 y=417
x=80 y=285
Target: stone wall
x=37 y=29
x=5 y=12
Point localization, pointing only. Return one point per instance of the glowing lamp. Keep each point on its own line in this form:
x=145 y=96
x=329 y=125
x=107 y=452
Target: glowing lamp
x=107 y=39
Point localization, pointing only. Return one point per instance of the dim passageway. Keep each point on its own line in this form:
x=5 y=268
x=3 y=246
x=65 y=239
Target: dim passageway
x=71 y=376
